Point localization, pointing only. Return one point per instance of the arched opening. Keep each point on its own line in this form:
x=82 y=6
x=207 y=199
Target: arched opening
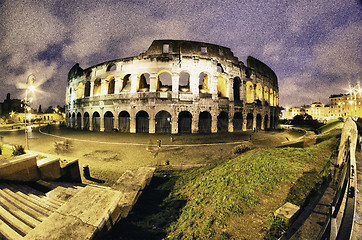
x=249 y=121
x=222 y=122
x=111 y=67
x=236 y=89
x=275 y=99
x=266 y=121
x=222 y=86
x=258 y=122
x=266 y=94
x=238 y=121
x=110 y=85
x=79 y=120
x=86 y=121
x=125 y=84
x=87 y=89
x=108 y=121
x=259 y=92
x=204 y=82
x=143 y=83
x=142 y=122
x=164 y=81
x=219 y=68
x=80 y=90
x=249 y=92
x=73 y=120
x=184 y=122
x=271 y=97
x=67 y=119
x=97 y=87
x=96 y=121
x=184 y=82
x=163 y=122
x=205 y=122
x=123 y=121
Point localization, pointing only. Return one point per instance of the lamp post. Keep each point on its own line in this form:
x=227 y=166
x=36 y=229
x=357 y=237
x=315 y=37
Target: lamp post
x=29 y=87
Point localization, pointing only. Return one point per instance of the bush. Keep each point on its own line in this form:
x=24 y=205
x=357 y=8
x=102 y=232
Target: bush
x=18 y=150
x=239 y=149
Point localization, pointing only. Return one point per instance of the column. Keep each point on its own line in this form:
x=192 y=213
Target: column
x=90 y=122
x=103 y=87
x=102 y=123
x=213 y=87
x=254 y=121
x=151 y=124
x=115 y=122
x=194 y=85
x=213 y=123
x=174 y=124
x=230 y=92
x=195 y=123
x=175 y=85
x=244 y=120
x=262 y=121
x=134 y=83
x=153 y=82
x=132 y=123
x=230 y=124
x=82 y=122
x=91 y=89
x=117 y=84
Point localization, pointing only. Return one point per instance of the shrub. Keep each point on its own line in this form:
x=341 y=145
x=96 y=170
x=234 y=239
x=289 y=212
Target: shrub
x=18 y=150
x=239 y=149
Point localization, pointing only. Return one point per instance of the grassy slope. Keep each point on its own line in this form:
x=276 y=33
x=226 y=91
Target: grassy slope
x=226 y=191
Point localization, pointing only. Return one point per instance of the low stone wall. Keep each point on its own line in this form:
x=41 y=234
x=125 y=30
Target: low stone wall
x=20 y=168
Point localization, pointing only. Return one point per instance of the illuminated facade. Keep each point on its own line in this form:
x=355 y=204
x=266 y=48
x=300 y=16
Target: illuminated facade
x=347 y=105
x=317 y=110
x=174 y=87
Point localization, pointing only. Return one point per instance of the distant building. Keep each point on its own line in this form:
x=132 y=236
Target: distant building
x=317 y=110
x=347 y=105
x=42 y=117
x=10 y=105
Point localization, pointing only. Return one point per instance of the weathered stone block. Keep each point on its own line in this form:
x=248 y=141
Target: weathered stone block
x=287 y=212
x=20 y=168
x=49 y=168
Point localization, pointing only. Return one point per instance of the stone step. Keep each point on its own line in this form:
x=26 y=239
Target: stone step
x=7 y=232
x=23 y=205
x=42 y=203
x=134 y=180
x=19 y=213
x=21 y=227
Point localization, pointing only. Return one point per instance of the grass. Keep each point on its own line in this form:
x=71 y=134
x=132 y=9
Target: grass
x=208 y=203
x=330 y=126
x=6 y=151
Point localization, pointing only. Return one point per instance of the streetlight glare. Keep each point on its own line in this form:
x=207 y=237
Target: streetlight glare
x=32 y=88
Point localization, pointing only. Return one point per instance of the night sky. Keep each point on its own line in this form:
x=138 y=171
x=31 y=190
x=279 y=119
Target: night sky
x=314 y=46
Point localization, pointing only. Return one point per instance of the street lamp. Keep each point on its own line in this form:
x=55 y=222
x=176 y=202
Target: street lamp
x=29 y=87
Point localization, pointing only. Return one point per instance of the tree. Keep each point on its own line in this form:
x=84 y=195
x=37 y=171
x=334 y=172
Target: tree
x=39 y=110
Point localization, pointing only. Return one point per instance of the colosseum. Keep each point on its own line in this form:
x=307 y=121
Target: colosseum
x=174 y=87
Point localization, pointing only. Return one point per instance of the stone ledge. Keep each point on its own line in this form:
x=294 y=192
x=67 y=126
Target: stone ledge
x=287 y=212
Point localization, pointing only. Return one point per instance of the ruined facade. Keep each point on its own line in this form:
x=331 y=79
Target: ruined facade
x=174 y=87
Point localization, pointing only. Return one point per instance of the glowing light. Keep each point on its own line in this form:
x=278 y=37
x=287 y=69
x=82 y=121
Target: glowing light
x=164 y=89
x=203 y=90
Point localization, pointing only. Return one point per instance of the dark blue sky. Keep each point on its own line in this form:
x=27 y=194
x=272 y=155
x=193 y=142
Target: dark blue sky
x=314 y=46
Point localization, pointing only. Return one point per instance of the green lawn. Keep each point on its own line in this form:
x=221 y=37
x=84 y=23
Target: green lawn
x=212 y=202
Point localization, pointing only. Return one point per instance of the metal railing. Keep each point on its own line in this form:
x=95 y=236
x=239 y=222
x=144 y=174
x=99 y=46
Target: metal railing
x=344 y=202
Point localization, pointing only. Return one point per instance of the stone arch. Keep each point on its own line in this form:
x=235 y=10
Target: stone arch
x=258 y=121
x=164 y=81
x=125 y=85
x=219 y=68
x=184 y=82
x=87 y=89
x=111 y=67
x=222 y=86
x=96 y=122
x=142 y=122
x=266 y=122
x=204 y=82
x=223 y=122
x=236 y=89
x=73 y=120
x=184 y=122
x=110 y=84
x=86 y=121
x=108 y=121
x=259 y=92
x=124 y=121
x=205 y=122
x=266 y=94
x=249 y=92
x=249 y=121
x=238 y=121
x=79 y=120
x=163 y=122
x=80 y=90
x=97 y=87
x=143 y=82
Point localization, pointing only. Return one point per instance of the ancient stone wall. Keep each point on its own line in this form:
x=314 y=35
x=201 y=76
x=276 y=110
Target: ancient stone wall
x=175 y=86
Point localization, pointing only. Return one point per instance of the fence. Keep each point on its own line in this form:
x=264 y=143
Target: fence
x=344 y=202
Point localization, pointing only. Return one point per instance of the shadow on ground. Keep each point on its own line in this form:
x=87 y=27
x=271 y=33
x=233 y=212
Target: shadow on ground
x=152 y=214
